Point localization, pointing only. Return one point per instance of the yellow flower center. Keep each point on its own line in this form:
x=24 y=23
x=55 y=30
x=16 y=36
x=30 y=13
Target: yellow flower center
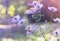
x=30 y=29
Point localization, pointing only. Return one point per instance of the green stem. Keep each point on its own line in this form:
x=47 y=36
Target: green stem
x=42 y=33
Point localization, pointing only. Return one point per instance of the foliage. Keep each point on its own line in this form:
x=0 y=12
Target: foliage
x=2 y=11
x=11 y=10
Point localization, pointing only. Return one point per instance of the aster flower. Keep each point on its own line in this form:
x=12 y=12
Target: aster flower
x=39 y=6
x=56 y=32
x=21 y=22
x=30 y=29
x=28 y=32
x=55 y=20
x=31 y=11
x=52 y=9
x=58 y=21
x=15 y=19
x=36 y=6
x=34 y=3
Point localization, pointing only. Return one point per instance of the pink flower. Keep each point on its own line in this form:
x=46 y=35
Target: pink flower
x=52 y=9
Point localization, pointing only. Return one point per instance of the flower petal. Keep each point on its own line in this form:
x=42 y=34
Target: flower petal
x=16 y=18
x=52 y=9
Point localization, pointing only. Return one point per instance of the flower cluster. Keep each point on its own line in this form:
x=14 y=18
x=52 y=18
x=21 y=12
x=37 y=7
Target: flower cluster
x=35 y=14
x=36 y=6
x=34 y=11
x=31 y=11
x=17 y=19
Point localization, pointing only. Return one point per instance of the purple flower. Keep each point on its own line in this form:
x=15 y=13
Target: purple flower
x=52 y=9
x=30 y=29
x=55 y=20
x=34 y=3
x=21 y=22
x=31 y=11
x=39 y=6
x=56 y=32
x=58 y=21
x=15 y=19
x=28 y=32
